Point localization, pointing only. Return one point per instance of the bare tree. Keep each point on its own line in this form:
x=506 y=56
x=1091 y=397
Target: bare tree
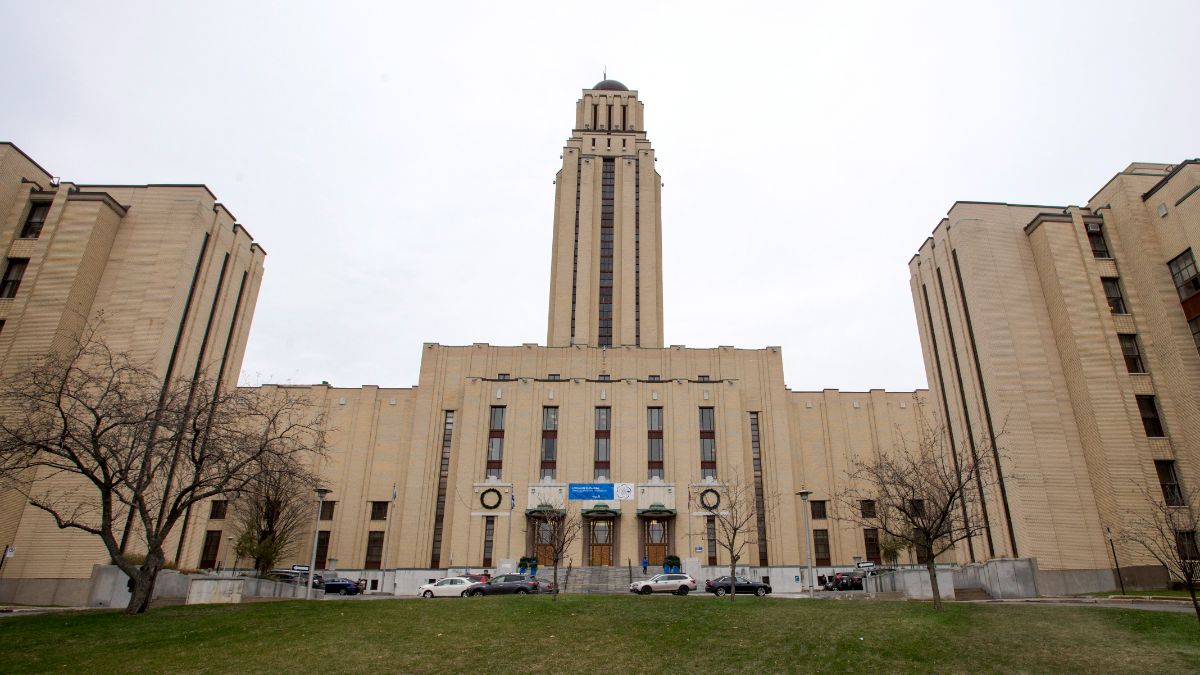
x=924 y=495
x=90 y=437
x=271 y=511
x=1167 y=529
x=737 y=518
x=558 y=529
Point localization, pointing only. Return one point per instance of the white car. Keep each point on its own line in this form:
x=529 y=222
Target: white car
x=679 y=584
x=447 y=588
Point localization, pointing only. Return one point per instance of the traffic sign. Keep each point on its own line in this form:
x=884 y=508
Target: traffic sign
x=866 y=564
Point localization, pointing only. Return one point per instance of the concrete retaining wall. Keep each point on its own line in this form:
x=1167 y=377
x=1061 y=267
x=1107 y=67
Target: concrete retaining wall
x=215 y=590
x=1002 y=577
x=109 y=586
x=45 y=592
x=913 y=583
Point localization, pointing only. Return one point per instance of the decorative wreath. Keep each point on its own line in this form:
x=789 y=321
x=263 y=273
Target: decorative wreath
x=486 y=503
x=710 y=499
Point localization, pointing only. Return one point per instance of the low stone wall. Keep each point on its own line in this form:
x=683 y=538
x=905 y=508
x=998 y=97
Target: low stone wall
x=46 y=592
x=913 y=583
x=215 y=590
x=1001 y=578
x=109 y=586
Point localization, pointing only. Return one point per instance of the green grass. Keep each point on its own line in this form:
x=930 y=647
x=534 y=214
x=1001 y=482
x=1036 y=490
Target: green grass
x=604 y=634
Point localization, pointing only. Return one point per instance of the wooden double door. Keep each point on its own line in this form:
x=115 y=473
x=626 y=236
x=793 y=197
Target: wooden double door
x=601 y=533
x=657 y=536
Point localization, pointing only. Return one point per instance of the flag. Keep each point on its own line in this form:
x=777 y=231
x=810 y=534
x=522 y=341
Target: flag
x=393 y=493
x=512 y=501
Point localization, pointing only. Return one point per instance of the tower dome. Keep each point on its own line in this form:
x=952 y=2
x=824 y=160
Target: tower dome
x=610 y=85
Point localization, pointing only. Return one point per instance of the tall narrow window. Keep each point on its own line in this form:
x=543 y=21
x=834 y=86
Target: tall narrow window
x=1185 y=545
x=208 y=552
x=1168 y=480
x=327 y=508
x=495 y=450
x=711 y=529
x=821 y=548
x=1150 y=419
x=549 y=442
x=439 y=514
x=12 y=277
x=654 y=443
x=871 y=544
x=489 y=534
x=1095 y=234
x=819 y=509
x=637 y=250
x=607 y=185
x=1183 y=273
x=603 y=445
x=374 y=555
x=866 y=508
x=760 y=500
x=1112 y=291
x=218 y=509
x=708 y=444
x=32 y=228
x=1132 y=353
x=323 y=549
x=1194 y=325
x=379 y=510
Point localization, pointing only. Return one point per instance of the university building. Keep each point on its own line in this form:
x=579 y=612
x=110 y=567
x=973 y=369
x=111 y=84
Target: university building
x=1021 y=341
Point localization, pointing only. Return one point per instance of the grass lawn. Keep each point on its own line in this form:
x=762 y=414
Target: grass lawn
x=612 y=634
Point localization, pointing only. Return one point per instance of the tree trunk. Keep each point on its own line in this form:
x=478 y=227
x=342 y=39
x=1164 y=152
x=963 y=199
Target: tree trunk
x=1192 y=592
x=143 y=583
x=933 y=582
x=732 y=579
x=554 y=593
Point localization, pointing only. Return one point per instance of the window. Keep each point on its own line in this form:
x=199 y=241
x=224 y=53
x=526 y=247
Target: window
x=439 y=514
x=218 y=509
x=603 y=449
x=1185 y=544
x=32 y=228
x=327 y=509
x=871 y=543
x=819 y=509
x=916 y=508
x=866 y=508
x=554 y=376
x=711 y=530
x=1095 y=234
x=708 y=443
x=489 y=534
x=549 y=465
x=12 y=277
x=374 y=551
x=208 y=552
x=1150 y=419
x=1183 y=273
x=821 y=547
x=656 y=378
x=1133 y=354
x=322 y=549
x=495 y=449
x=702 y=378
x=604 y=377
x=379 y=510
x=1194 y=324
x=503 y=376
x=654 y=443
x=604 y=331
x=760 y=500
x=1112 y=291
x=1168 y=480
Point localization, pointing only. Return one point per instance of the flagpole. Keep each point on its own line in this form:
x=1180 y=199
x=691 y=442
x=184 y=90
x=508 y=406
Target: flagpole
x=512 y=505
x=387 y=533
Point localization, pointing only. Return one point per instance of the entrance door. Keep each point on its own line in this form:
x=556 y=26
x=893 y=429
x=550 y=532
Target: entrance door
x=543 y=547
x=600 y=542
x=656 y=542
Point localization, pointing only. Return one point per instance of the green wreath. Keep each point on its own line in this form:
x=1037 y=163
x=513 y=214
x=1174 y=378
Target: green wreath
x=483 y=498
x=716 y=497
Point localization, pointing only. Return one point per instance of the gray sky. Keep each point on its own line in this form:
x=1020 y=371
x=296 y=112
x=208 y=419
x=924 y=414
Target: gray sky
x=396 y=159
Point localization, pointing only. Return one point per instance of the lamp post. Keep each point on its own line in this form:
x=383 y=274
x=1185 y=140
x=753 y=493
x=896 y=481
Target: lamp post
x=231 y=549
x=1113 y=546
x=804 y=494
x=321 y=492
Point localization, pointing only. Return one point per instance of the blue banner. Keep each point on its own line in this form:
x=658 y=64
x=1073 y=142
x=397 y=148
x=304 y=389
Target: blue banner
x=589 y=491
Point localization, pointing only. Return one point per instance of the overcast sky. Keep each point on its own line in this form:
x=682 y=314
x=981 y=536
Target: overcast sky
x=396 y=159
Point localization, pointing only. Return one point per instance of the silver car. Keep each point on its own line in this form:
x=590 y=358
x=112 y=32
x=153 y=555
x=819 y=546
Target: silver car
x=679 y=584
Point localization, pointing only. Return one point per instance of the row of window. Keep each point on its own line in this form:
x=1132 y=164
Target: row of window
x=219 y=509
x=603 y=377
x=372 y=559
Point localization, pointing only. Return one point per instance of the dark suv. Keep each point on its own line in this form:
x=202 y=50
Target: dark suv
x=506 y=584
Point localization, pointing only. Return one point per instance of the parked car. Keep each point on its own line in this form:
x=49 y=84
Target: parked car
x=448 y=587
x=721 y=585
x=545 y=586
x=477 y=578
x=294 y=577
x=342 y=586
x=845 y=581
x=679 y=584
x=506 y=584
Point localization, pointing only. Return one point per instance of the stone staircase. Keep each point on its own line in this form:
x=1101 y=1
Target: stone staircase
x=608 y=580
x=971 y=594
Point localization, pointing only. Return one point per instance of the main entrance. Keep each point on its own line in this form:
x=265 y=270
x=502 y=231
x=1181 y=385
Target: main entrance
x=600 y=542
x=656 y=535
x=543 y=547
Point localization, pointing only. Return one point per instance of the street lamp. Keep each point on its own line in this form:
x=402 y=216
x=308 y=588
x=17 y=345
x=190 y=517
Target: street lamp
x=237 y=557
x=804 y=494
x=1113 y=546
x=231 y=548
x=321 y=492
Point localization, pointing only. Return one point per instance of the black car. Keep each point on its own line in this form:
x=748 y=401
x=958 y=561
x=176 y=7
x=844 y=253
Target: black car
x=342 y=587
x=721 y=585
x=506 y=584
x=843 y=581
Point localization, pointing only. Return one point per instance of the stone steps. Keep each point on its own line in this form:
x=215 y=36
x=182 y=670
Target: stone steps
x=607 y=580
x=971 y=594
